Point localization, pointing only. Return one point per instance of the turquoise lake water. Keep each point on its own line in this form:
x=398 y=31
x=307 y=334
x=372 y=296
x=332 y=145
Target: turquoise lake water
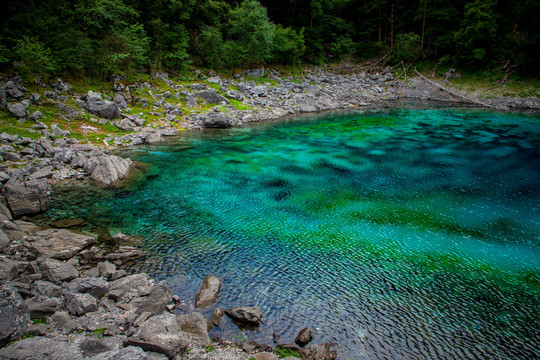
x=398 y=234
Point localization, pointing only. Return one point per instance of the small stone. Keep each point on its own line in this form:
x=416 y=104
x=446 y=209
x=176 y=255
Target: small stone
x=217 y=315
x=304 y=337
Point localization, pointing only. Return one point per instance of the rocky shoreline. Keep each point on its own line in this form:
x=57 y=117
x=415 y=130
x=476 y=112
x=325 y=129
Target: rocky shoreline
x=61 y=295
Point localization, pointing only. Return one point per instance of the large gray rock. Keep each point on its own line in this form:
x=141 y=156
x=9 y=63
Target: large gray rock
x=14 y=315
x=19 y=109
x=249 y=315
x=46 y=288
x=127 y=353
x=58 y=244
x=56 y=271
x=4 y=240
x=157 y=301
x=13 y=91
x=131 y=286
x=211 y=97
x=161 y=334
x=107 y=169
x=97 y=287
x=196 y=328
x=218 y=120
x=102 y=108
x=29 y=198
x=120 y=100
x=209 y=291
x=80 y=304
x=41 y=348
x=42 y=306
x=10 y=269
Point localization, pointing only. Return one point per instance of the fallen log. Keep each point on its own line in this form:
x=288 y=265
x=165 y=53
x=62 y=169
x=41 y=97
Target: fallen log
x=453 y=93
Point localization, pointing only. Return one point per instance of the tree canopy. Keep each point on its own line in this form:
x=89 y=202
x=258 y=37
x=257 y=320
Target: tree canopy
x=101 y=37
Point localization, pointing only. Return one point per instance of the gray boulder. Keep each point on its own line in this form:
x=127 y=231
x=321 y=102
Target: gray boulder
x=161 y=334
x=80 y=304
x=209 y=291
x=42 y=306
x=56 y=271
x=4 y=241
x=211 y=97
x=120 y=100
x=131 y=286
x=107 y=169
x=255 y=72
x=249 y=315
x=28 y=198
x=18 y=109
x=10 y=269
x=218 y=120
x=42 y=348
x=127 y=353
x=157 y=301
x=46 y=288
x=14 y=315
x=13 y=91
x=35 y=116
x=196 y=328
x=58 y=243
x=102 y=108
x=97 y=287
x=260 y=90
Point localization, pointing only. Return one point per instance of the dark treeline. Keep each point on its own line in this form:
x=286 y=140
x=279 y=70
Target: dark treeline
x=101 y=37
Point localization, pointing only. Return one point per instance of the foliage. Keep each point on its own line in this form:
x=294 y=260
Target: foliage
x=34 y=56
x=99 y=37
x=283 y=353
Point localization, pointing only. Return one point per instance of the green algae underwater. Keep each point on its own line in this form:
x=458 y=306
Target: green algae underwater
x=395 y=234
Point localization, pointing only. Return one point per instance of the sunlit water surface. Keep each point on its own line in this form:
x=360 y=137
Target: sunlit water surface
x=405 y=234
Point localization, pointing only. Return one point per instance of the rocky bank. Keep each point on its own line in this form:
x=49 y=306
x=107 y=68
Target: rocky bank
x=61 y=295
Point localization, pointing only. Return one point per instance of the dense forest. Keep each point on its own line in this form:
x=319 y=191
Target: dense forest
x=102 y=37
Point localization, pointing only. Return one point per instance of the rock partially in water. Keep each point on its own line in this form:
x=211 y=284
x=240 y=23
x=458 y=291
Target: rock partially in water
x=161 y=334
x=107 y=169
x=319 y=352
x=28 y=198
x=157 y=301
x=304 y=337
x=209 y=291
x=248 y=315
x=195 y=326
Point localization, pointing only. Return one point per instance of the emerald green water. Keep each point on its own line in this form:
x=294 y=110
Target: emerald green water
x=400 y=234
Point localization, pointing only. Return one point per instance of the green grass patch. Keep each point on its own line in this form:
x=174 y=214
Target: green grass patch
x=239 y=105
x=39 y=321
x=283 y=353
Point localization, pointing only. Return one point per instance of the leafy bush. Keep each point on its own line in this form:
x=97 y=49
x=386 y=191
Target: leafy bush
x=34 y=56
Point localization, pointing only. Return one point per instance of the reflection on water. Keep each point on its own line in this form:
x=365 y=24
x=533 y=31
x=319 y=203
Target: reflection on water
x=401 y=234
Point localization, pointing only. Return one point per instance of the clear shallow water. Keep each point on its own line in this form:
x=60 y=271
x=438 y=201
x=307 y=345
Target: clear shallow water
x=403 y=234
